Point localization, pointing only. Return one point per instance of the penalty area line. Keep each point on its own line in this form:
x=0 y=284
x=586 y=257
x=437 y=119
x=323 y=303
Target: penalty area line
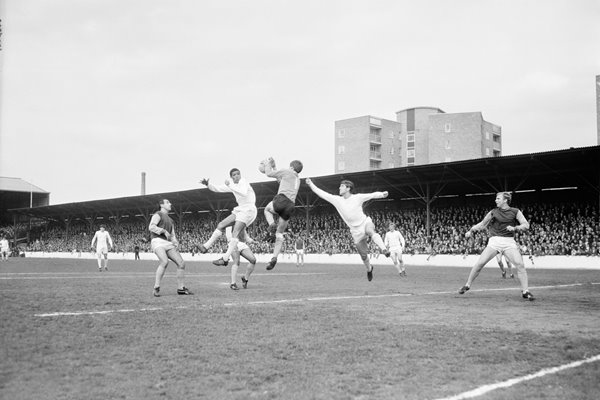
x=511 y=382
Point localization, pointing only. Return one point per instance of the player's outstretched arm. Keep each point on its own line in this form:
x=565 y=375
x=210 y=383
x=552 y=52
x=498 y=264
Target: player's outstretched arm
x=481 y=225
x=319 y=192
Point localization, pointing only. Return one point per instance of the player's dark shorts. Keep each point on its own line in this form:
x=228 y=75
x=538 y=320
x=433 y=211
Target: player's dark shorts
x=283 y=206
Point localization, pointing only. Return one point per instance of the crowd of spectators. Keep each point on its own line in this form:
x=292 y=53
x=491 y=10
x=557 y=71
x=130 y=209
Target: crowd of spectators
x=556 y=229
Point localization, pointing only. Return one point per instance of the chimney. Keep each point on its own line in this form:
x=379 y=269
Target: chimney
x=143 y=183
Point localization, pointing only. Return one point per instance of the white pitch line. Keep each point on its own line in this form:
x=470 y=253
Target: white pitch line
x=320 y=299
x=511 y=382
x=513 y=288
x=78 y=313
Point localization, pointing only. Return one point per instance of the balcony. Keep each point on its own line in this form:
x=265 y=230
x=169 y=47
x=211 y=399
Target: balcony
x=375 y=138
x=375 y=155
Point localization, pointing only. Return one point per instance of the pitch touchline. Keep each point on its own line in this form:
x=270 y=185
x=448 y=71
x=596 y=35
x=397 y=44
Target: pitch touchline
x=282 y=301
x=511 y=382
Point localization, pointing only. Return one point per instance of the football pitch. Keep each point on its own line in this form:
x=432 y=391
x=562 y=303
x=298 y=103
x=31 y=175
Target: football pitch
x=316 y=332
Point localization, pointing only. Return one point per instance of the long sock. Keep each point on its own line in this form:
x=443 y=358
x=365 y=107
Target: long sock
x=278 y=245
x=234 y=269
x=522 y=274
x=160 y=272
x=180 y=275
x=378 y=241
x=230 y=248
x=215 y=235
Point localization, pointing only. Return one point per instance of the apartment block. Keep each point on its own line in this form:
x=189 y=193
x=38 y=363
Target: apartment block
x=420 y=135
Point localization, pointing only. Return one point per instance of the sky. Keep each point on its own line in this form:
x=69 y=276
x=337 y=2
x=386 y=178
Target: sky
x=95 y=92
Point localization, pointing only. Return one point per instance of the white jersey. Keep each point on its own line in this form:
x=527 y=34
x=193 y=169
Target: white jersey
x=243 y=192
x=350 y=209
x=394 y=239
x=4 y=246
x=103 y=239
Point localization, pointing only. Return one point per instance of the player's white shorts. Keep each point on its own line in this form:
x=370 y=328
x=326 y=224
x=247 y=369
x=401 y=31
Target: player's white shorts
x=242 y=246
x=396 y=252
x=161 y=243
x=247 y=216
x=300 y=252
x=359 y=232
x=501 y=243
x=101 y=250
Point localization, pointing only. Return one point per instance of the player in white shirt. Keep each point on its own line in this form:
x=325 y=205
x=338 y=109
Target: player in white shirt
x=395 y=243
x=240 y=218
x=242 y=250
x=4 y=248
x=102 y=240
x=299 y=247
x=350 y=208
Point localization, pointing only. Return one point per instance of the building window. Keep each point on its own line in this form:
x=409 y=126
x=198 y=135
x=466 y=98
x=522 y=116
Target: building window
x=391 y=150
x=391 y=165
x=341 y=165
x=341 y=149
x=375 y=164
x=448 y=145
x=341 y=133
x=487 y=151
x=487 y=135
x=410 y=153
x=448 y=127
x=410 y=140
x=410 y=161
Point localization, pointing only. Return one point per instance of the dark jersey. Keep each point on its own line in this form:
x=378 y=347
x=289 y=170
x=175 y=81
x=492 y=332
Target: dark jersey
x=166 y=223
x=501 y=218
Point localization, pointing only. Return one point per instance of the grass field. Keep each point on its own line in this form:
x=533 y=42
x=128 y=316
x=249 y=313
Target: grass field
x=317 y=332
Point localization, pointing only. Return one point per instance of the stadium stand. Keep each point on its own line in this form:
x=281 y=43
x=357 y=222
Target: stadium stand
x=559 y=193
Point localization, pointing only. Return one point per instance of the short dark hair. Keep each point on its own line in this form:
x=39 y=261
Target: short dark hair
x=348 y=184
x=162 y=201
x=232 y=171
x=297 y=165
